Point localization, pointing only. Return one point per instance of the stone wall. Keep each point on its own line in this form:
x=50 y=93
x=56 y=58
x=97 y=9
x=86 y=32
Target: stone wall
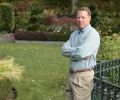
x=7 y=37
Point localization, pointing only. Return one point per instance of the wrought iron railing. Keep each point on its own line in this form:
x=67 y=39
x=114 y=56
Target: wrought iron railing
x=107 y=81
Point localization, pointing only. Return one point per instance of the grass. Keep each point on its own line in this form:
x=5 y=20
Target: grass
x=45 y=70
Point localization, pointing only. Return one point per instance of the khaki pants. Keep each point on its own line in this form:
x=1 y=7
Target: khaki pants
x=80 y=85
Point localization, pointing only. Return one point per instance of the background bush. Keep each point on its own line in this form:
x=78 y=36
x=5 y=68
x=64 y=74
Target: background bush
x=47 y=33
x=110 y=47
x=36 y=17
x=7 y=20
x=22 y=21
x=27 y=35
x=31 y=16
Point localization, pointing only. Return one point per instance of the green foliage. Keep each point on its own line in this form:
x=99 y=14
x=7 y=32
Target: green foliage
x=22 y=21
x=110 y=48
x=57 y=3
x=5 y=87
x=108 y=26
x=7 y=21
x=36 y=9
x=104 y=16
x=36 y=17
x=60 y=32
x=58 y=36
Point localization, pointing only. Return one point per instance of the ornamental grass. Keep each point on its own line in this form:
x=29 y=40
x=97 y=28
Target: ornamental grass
x=9 y=69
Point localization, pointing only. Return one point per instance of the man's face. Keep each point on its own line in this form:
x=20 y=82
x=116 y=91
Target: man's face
x=83 y=19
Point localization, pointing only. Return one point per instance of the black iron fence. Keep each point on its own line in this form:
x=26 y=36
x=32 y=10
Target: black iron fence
x=107 y=81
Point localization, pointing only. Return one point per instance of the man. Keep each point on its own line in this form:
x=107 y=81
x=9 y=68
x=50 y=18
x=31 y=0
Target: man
x=81 y=48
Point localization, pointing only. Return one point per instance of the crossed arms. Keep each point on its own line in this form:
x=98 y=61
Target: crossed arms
x=83 y=51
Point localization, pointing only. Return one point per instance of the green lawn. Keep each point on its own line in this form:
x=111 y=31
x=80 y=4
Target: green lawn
x=45 y=70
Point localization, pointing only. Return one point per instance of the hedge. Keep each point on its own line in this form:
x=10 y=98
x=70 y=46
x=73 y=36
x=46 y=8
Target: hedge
x=7 y=20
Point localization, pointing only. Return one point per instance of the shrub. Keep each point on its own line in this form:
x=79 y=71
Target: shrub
x=110 y=47
x=61 y=6
x=108 y=25
x=22 y=20
x=58 y=36
x=47 y=33
x=9 y=71
x=7 y=21
x=36 y=17
x=27 y=35
x=6 y=87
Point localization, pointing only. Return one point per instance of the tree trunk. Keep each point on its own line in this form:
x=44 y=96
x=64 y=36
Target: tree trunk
x=74 y=6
